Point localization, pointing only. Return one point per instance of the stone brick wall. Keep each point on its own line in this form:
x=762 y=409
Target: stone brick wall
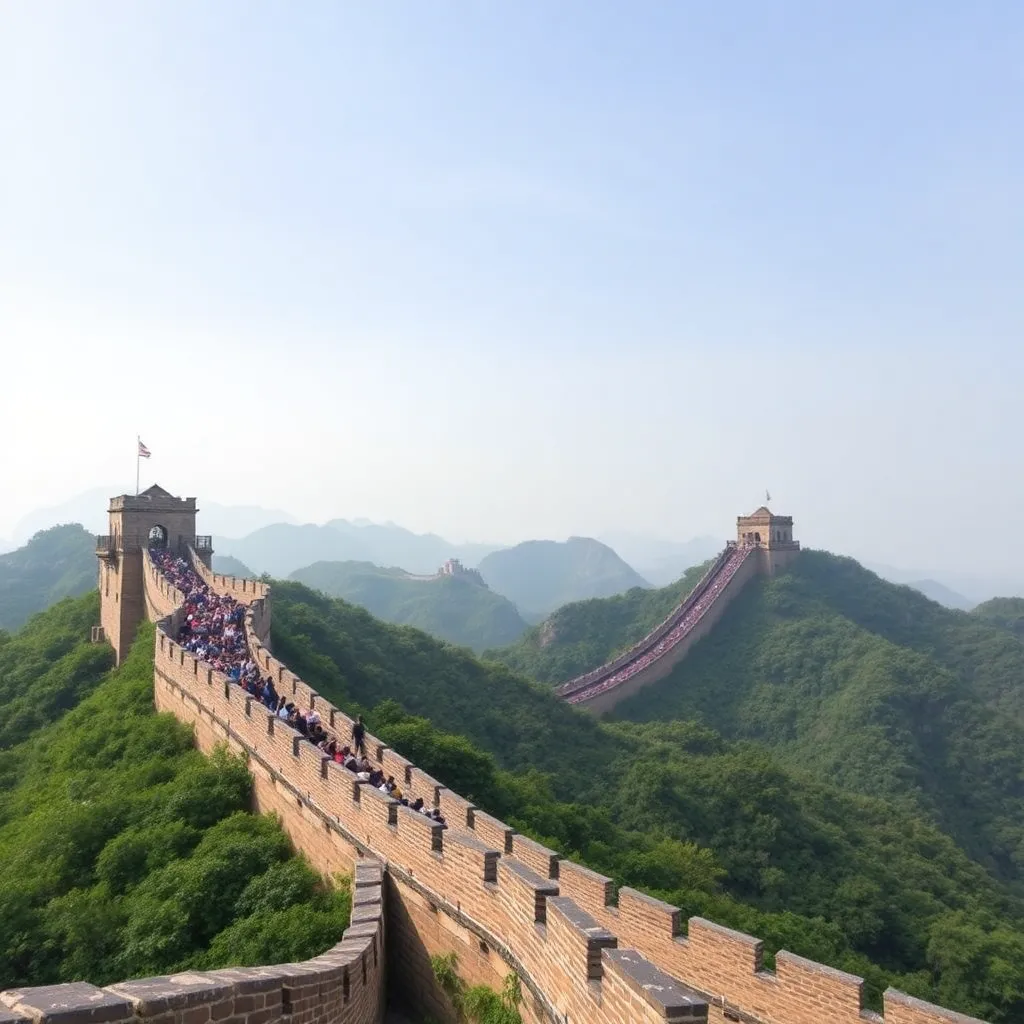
x=504 y=902
x=343 y=986
x=583 y=953
x=659 y=669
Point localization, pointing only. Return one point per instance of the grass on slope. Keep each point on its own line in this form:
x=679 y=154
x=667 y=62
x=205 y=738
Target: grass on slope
x=55 y=563
x=127 y=853
x=873 y=687
x=720 y=829
x=456 y=609
x=585 y=634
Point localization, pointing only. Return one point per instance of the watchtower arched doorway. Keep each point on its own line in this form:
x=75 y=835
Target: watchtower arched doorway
x=158 y=537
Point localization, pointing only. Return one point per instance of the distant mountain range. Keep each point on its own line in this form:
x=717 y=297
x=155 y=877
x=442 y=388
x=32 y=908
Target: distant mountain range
x=460 y=608
x=228 y=566
x=90 y=509
x=661 y=561
x=281 y=548
x=541 y=575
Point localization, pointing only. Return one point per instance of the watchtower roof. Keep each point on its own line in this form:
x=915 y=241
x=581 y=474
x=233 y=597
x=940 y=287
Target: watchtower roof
x=154 y=498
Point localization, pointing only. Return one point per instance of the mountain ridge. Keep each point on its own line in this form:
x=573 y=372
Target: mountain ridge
x=453 y=608
x=541 y=575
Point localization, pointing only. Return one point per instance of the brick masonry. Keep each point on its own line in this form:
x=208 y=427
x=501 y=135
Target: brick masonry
x=502 y=902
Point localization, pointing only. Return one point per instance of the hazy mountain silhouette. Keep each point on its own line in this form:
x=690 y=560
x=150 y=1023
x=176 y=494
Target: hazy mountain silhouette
x=459 y=609
x=942 y=594
x=658 y=560
x=541 y=575
x=228 y=566
x=90 y=509
x=282 y=548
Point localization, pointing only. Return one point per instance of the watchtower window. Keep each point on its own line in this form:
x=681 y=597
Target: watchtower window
x=158 y=537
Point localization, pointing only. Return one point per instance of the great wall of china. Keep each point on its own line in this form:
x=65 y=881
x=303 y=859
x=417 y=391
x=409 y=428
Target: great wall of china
x=764 y=545
x=583 y=953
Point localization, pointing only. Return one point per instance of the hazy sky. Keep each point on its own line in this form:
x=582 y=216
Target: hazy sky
x=502 y=270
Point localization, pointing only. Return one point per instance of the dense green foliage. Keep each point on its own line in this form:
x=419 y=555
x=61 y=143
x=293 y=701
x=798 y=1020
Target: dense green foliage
x=55 y=563
x=541 y=575
x=476 y=1004
x=127 y=853
x=455 y=608
x=721 y=829
x=1005 y=612
x=585 y=634
x=873 y=687
x=45 y=669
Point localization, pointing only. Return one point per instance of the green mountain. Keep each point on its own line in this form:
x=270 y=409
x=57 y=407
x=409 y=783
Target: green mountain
x=228 y=566
x=459 y=609
x=871 y=687
x=582 y=635
x=127 y=853
x=1004 y=612
x=728 y=830
x=55 y=563
x=541 y=575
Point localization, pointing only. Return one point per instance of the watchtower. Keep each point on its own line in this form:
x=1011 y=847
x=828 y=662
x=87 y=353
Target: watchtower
x=772 y=534
x=152 y=519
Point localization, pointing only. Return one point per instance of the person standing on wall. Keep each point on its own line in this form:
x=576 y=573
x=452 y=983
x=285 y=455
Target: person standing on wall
x=359 y=735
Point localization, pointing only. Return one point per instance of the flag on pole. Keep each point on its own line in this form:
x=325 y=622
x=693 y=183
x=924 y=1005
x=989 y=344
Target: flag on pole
x=144 y=452
x=767 y=496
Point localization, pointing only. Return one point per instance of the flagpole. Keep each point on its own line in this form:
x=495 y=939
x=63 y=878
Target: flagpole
x=138 y=442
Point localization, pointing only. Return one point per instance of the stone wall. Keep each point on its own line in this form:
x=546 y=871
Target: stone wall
x=343 y=986
x=659 y=669
x=582 y=952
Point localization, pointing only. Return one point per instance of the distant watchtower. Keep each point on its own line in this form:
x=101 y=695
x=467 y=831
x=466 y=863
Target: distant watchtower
x=772 y=534
x=153 y=518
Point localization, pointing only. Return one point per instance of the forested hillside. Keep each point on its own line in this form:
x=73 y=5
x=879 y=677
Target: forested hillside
x=125 y=852
x=55 y=563
x=582 y=635
x=1005 y=612
x=722 y=829
x=872 y=687
x=539 y=576
x=454 y=608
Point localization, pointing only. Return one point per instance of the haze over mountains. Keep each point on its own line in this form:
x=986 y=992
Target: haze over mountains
x=537 y=577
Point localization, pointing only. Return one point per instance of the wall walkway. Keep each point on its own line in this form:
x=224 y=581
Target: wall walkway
x=584 y=954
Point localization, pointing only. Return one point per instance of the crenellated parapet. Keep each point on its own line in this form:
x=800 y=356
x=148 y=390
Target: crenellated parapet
x=342 y=986
x=579 y=947
x=582 y=951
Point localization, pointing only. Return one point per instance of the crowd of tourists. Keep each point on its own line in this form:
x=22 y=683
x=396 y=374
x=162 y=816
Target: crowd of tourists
x=692 y=615
x=213 y=629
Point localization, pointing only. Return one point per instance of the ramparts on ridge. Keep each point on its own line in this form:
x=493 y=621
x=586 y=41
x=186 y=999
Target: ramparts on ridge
x=560 y=926
x=499 y=898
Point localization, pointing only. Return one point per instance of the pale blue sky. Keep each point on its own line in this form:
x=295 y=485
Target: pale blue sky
x=523 y=269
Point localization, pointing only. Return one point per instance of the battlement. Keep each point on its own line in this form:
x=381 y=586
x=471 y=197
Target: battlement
x=556 y=922
x=581 y=950
x=345 y=985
